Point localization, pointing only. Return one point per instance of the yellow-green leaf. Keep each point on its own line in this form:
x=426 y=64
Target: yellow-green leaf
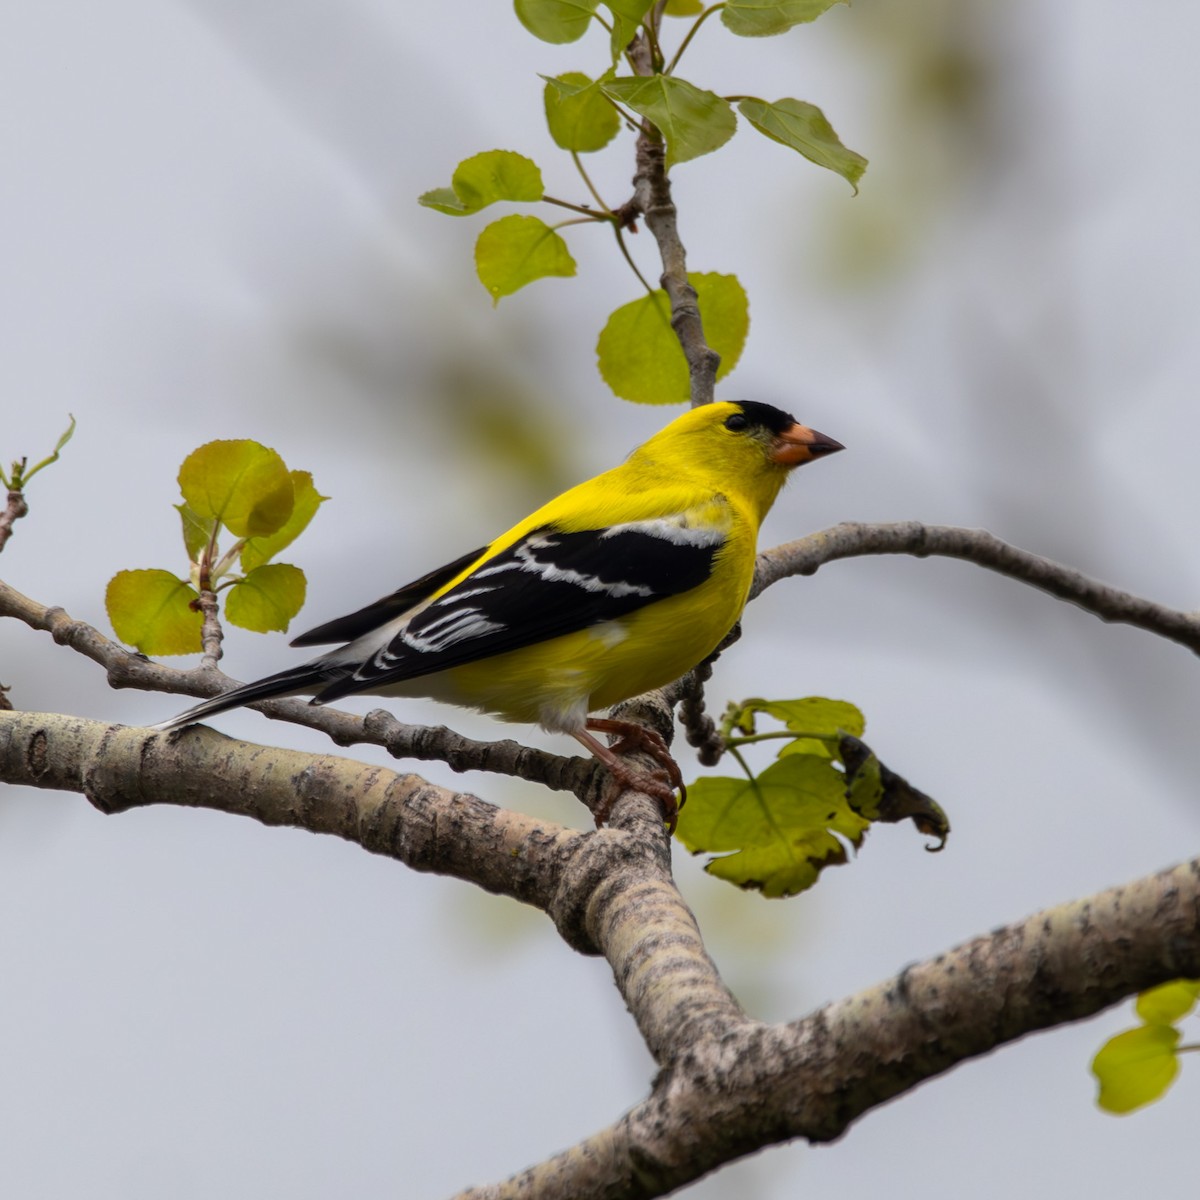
x=1169 y=1002
x=579 y=116
x=803 y=127
x=152 y=611
x=22 y=475
x=813 y=716
x=692 y=121
x=517 y=250
x=267 y=598
x=556 y=21
x=1136 y=1067
x=763 y=18
x=242 y=484
x=683 y=8
x=639 y=355
x=484 y=179
x=196 y=531
x=306 y=502
x=783 y=828
x=627 y=15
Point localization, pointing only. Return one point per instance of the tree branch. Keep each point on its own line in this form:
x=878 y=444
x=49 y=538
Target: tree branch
x=379 y=728
x=851 y=539
x=729 y=1085
x=652 y=198
x=758 y=1085
x=403 y=816
x=14 y=510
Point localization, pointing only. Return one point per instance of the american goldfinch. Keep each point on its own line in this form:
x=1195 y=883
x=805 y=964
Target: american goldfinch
x=617 y=586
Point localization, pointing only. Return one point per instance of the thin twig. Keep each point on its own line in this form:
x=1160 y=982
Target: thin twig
x=126 y=669
x=211 y=634
x=851 y=540
x=14 y=510
x=652 y=197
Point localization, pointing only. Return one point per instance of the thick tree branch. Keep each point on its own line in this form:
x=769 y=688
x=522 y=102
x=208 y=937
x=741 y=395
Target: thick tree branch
x=403 y=816
x=851 y=539
x=609 y=891
x=729 y=1085
x=757 y=1085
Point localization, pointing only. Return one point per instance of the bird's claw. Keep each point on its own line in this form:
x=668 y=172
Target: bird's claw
x=661 y=785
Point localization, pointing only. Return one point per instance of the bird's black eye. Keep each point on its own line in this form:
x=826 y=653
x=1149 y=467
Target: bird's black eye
x=737 y=422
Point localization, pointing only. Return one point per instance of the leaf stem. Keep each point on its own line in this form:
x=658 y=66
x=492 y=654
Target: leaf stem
x=591 y=214
x=53 y=456
x=629 y=258
x=588 y=183
x=742 y=763
x=573 y=221
x=750 y=738
x=691 y=33
x=226 y=559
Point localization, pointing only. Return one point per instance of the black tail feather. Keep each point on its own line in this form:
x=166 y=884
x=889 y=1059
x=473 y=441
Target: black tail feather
x=306 y=678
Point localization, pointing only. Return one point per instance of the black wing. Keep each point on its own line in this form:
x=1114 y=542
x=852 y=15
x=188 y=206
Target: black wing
x=546 y=585
x=346 y=629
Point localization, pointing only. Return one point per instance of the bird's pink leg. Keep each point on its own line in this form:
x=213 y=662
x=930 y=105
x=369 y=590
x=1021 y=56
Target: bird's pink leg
x=631 y=737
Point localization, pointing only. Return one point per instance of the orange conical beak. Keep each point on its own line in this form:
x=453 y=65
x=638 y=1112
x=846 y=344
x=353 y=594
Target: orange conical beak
x=799 y=445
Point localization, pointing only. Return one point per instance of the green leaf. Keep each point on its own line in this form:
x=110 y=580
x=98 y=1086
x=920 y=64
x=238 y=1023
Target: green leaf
x=266 y=599
x=242 y=484
x=484 y=179
x=1169 y=1002
x=627 y=16
x=579 y=116
x=803 y=127
x=307 y=500
x=762 y=18
x=1136 y=1067
x=196 y=531
x=557 y=21
x=65 y=437
x=813 y=716
x=639 y=355
x=515 y=251
x=683 y=8
x=152 y=611
x=783 y=828
x=692 y=121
